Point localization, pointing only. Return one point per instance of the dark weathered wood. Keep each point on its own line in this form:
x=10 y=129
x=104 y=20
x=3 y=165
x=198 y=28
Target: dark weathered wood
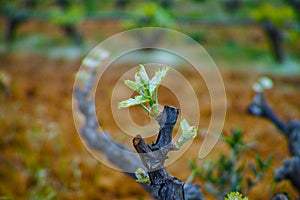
x=102 y=142
x=153 y=157
x=290 y=171
x=280 y=196
x=291 y=130
x=259 y=107
x=166 y=120
x=115 y=153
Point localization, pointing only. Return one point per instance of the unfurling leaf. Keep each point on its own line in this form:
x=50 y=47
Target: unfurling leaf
x=160 y=74
x=136 y=86
x=142 y=176
x=235 y=196
x=138 y=78
x=132 y=102
x=147 y=90
x=187 y=132
x=143 y=75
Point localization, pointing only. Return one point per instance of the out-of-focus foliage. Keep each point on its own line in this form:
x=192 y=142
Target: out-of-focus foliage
x=277 y=19
x=149 y=14
x=147 y=90
x=228 y=172
x=201 y=19
x=280 y=16
x=43 y=189
x=72 y=15
x=187 y=132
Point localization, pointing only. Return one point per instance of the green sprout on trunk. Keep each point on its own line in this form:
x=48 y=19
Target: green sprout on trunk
x=142 y=176
x=187 y=132
x=235 y=196
x=147 y=97
x=147 y=90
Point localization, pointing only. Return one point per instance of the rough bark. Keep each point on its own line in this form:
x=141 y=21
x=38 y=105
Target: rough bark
x=103 y=143
x=280 y=196
x=290 y=171
x=115 y=153
x=153 y=157
x=291 y=130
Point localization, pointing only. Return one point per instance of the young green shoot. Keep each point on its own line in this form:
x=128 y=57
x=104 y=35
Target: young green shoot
x=142 y=176
x=187 y=132
x=147 y=90
x=235 y=196
x=147 y=98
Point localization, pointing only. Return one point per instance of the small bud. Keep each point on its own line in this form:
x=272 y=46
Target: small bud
x=187 y=132
x=142 y=176
x=266 y=82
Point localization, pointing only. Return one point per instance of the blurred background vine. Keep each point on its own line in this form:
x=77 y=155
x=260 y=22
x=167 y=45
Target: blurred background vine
x=277 y=20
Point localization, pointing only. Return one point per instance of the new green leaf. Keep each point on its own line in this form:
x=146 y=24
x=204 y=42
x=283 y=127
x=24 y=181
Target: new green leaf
x=160 y=74
x=132 y=102
x=187 y=132
x=235 y=196
x=147 y=90
x=142 y=176
x=136 y=86
x=143 y=75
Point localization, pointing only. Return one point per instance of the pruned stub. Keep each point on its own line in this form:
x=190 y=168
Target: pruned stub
x=257 y=106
